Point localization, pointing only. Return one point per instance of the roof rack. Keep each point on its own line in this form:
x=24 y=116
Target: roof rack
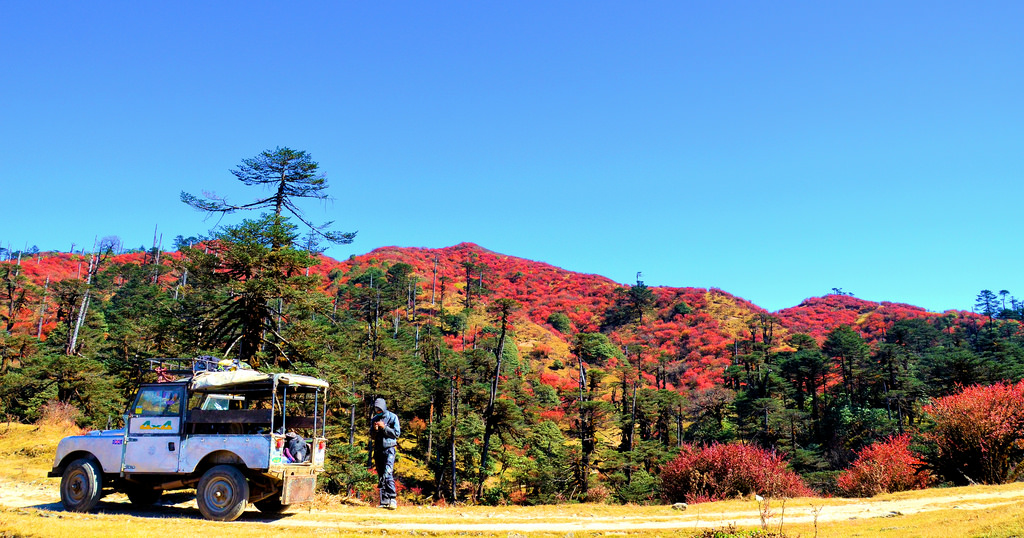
x=179 y=369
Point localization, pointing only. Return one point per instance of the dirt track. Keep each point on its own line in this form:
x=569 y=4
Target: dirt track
x=43 y=496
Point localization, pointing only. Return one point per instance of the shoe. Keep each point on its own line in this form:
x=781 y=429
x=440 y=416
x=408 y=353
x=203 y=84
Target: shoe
x=393 y=505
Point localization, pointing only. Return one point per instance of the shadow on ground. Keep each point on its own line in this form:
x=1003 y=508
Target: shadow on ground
x=180 y=505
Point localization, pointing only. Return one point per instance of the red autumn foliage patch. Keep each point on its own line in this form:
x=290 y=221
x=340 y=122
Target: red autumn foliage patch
x=720 y=471
x=884 y=467
x=979 y=433
x=692 y=345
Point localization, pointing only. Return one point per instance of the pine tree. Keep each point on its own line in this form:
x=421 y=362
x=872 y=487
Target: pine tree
x=291 y=175
x=249 y=272
x=503 y=308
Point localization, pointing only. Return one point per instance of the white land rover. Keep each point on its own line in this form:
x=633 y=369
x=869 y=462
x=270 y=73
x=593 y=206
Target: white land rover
x=235 y=436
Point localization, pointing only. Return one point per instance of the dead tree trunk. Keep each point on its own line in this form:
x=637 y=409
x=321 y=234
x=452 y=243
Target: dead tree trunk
x=489 y=420
x=42 y=307
x=455 y=424
x=586 y=440
x=84 y=307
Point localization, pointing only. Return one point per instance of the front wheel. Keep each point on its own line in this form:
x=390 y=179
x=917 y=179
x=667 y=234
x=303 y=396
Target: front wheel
x=222 y=493
x=81 y=486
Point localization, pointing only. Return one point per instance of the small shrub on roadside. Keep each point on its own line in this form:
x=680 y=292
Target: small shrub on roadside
x=719 y=471
x=414 y=496
x=597 y=494
x=732 y=532
x=642 y=488
x=519 y=497
x=823 y=482
x=346 y=472
x=978 y=434
x=884 y=467
x=496 y=496
x=55 y=413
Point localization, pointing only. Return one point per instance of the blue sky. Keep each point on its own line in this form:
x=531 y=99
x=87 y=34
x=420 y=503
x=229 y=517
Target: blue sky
x=775 y=150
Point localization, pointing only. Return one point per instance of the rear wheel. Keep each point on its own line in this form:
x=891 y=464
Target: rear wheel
x=222 y=493
x=81 y=486
x=270 y=505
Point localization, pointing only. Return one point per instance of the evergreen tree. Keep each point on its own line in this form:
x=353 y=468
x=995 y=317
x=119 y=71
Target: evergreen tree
x=291 y=175
x=503 y=308
x=590 y=349
x=987 y=304
x=850 y=352
x=629 y=307
x=245 y=277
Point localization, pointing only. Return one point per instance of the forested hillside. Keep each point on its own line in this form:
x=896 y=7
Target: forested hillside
x=518 y=381
x=578 y=387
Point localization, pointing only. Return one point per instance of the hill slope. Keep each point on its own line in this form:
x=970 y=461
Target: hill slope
x=689 y=330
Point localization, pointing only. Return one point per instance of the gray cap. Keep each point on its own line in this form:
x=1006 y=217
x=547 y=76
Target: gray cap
x=379 y=403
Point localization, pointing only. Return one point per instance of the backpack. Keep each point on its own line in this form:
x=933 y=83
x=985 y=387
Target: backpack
x=297 y=447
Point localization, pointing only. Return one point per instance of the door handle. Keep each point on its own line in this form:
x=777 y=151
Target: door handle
x=170 y=446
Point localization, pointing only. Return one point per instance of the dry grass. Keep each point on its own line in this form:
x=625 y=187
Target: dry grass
x=183 y=520
x=27 y=450
x=29 y=506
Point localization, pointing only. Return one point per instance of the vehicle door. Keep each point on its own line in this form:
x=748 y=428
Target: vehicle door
x=153 y=431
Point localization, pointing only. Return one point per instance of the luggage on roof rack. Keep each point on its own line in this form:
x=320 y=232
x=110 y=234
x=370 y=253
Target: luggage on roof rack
x=176 y=369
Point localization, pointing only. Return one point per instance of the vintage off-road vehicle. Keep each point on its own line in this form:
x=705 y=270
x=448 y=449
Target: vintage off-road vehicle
x=230 y=433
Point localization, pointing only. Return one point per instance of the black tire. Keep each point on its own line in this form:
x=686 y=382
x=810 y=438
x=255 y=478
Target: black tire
x=222 y=493
x=271 y=505
x=142 y=497
x=81 y=486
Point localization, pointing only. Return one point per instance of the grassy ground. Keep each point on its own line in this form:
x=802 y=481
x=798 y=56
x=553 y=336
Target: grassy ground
x=29 y=506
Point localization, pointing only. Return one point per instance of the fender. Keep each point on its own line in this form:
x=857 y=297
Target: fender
x=252 y=451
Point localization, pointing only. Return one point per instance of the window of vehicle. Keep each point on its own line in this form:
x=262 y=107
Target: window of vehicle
x=159 y=401
x=222 y=402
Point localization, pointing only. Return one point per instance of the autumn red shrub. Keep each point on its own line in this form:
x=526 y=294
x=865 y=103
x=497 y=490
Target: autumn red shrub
x=554 y=415
x=57 y=413
x=884 y=467
x=719 y=471
x=978 y=434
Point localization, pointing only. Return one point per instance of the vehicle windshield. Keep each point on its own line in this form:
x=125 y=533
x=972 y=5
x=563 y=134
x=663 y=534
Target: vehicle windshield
x=158 y=401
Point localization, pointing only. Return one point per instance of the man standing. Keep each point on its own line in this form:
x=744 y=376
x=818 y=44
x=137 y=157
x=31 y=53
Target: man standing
x=384 y=432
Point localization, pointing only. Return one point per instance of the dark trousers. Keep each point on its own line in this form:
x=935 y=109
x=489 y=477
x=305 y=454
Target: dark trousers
x=384 y=458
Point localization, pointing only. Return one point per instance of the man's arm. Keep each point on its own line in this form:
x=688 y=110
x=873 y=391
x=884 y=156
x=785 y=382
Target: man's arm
x=392 y=429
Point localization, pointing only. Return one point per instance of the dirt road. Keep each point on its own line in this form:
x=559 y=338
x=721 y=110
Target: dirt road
x=42 y=496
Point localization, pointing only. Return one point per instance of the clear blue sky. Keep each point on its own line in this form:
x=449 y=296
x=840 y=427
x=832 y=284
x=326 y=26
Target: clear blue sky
x=772 y=149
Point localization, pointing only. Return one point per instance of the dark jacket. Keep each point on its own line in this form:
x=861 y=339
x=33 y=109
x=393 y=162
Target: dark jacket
x=388 y=436
x=297 y=447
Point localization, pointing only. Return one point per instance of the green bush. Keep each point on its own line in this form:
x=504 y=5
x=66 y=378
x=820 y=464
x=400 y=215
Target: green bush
x=560 y=322
x=453 y=323
x=681 y=308
x=640 y=489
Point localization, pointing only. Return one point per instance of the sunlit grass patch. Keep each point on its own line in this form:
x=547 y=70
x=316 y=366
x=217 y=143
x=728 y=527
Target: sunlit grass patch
x=28 y=449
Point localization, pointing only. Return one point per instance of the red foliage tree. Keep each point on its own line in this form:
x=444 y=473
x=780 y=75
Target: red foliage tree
x=979 y=434
x=884 y=467
x=719 y=471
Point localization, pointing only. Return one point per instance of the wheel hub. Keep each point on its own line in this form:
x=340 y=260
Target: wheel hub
x=76 y=487
x=220 y=495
